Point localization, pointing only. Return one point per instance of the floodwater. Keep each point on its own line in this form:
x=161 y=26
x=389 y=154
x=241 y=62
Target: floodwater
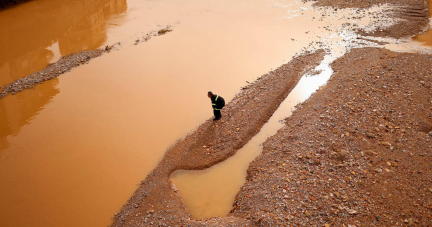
x=37 y=33
x=74 y=149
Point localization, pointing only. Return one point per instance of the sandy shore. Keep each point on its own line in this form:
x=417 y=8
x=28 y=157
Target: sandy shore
x=357 y=153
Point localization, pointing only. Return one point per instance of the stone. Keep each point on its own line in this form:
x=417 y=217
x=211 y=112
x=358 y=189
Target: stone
x=343 y=153
x=378 y=170
x=352 y=212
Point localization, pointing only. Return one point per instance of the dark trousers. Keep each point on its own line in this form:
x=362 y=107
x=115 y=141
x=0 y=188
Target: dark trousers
x=217 y=113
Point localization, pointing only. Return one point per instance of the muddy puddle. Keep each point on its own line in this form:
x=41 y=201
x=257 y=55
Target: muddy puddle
x=426 y=38
x=73 y=149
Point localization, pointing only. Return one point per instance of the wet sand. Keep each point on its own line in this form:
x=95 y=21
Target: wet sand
x=356 y=153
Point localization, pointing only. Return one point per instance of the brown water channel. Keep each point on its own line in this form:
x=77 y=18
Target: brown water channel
x=74 y=149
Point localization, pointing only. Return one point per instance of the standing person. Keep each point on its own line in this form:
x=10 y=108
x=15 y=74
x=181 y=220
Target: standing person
x=217 y=103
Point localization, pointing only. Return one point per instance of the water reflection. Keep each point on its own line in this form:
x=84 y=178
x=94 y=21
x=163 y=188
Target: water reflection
x=17 y=110
x=27 y=31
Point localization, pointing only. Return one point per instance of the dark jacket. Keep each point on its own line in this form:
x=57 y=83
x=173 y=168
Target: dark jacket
x=217 y=102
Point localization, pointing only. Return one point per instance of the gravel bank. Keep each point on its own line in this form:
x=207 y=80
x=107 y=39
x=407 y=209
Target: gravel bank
x=65 y=64
x=356 y=153
x=156 y=202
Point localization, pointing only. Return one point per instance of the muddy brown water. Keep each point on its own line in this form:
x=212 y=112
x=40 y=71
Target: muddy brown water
x=426 y=38
x=37 y=33
x=73 y=149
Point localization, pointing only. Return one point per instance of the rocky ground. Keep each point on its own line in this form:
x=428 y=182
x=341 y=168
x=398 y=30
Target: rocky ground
x=357 y=153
